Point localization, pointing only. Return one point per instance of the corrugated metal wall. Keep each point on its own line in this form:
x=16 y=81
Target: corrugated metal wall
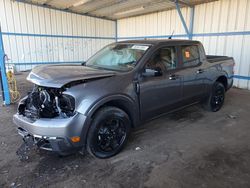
x=155 y=25
x=222 y=26
x=34 y=35
x=228 y=17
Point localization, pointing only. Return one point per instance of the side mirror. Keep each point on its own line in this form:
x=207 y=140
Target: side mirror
x=152 y=72
x=83 y=63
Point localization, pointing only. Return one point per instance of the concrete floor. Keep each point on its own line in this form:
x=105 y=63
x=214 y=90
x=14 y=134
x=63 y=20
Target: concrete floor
x=190 y=148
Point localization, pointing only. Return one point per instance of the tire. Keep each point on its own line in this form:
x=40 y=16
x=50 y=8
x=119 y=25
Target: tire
x=108 y=132
x=216 y=99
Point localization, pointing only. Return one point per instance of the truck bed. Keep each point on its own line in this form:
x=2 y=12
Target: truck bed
x=216 y=58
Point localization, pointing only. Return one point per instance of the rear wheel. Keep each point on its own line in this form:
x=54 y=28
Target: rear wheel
x=108 y=132
x=216 y=98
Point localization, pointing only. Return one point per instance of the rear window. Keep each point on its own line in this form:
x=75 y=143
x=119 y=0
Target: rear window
x=190 y=55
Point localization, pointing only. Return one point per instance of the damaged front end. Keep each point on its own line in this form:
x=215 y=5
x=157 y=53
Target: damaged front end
x=33 y=142
x=47 y=116
x=45 y=102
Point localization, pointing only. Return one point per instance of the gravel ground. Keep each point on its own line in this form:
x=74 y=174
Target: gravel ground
x=190 y=148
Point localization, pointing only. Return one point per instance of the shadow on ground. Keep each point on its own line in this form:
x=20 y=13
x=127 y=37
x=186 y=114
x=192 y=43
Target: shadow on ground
x=189 y=148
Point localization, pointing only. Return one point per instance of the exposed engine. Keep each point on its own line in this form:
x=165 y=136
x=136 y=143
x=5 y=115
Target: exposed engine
x=47 y=103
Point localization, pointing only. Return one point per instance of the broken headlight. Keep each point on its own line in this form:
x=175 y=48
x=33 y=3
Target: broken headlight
x=47 y=103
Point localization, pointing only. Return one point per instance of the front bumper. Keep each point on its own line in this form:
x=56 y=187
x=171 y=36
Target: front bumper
x=53 y=134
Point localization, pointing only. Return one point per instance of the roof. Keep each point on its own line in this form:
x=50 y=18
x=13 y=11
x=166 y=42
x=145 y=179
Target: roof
x=114 y=9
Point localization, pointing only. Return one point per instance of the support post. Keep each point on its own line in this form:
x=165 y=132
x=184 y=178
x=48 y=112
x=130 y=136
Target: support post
x=191 y=26
x=181 y=17
x=116 y=31
x=4 y=80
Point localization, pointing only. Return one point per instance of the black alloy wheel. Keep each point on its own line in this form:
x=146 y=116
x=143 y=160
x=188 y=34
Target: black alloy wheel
x=216 y=98
x=108 y=132
x=111 y=134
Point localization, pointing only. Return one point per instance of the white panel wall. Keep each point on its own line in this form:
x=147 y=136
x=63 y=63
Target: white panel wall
x=218 y=25
x=33 y=34
x=153 y=25
x=221 y=17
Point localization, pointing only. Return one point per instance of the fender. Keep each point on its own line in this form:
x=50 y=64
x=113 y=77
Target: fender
x=92 y=109
x=224 y=74
x=132 y=103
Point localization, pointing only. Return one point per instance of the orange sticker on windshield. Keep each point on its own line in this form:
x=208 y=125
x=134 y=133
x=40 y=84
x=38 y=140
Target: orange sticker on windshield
x=187 y=54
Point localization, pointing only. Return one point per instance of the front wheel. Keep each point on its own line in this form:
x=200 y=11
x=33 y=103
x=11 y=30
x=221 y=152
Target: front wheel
x=108 y=132
x=216 y=98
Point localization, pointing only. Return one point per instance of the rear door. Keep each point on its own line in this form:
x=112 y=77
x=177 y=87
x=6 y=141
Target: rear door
x=160 y=92
x=192 y=73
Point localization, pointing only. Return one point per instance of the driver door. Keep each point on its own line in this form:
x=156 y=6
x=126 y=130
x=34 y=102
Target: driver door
x=160 y=85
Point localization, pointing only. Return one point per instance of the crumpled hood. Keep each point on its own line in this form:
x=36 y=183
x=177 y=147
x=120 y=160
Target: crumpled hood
x=57 y=76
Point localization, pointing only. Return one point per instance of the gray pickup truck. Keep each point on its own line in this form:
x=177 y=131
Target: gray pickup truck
x=93 y=106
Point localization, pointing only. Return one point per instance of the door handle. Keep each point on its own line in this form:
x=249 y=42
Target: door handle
x=199 y=71
x=173 y=77
x=137 y=87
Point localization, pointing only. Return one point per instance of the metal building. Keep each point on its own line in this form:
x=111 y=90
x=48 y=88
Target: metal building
x=222 y=26
x=35 y=35
x=41 y=31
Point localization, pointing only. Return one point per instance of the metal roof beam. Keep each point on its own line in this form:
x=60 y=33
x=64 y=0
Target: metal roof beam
x=104 y=6
x=63 y=10
x=47 y=2
x=184 y=3
x=181 y=2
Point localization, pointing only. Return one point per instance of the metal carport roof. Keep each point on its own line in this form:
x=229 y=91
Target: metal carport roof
x=114 y=9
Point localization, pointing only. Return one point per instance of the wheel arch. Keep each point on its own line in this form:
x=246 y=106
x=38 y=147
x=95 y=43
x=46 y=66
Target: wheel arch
x=223 y=79
x=123 y=102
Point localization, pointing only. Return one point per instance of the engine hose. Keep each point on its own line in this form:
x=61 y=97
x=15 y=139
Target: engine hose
x=14 y=93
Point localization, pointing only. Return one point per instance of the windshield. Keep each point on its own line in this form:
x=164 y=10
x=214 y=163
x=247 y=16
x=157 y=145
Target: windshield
x=120 y=57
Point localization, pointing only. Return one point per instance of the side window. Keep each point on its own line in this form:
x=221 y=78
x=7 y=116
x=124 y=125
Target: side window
x=163 y=59
x=190 y=55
